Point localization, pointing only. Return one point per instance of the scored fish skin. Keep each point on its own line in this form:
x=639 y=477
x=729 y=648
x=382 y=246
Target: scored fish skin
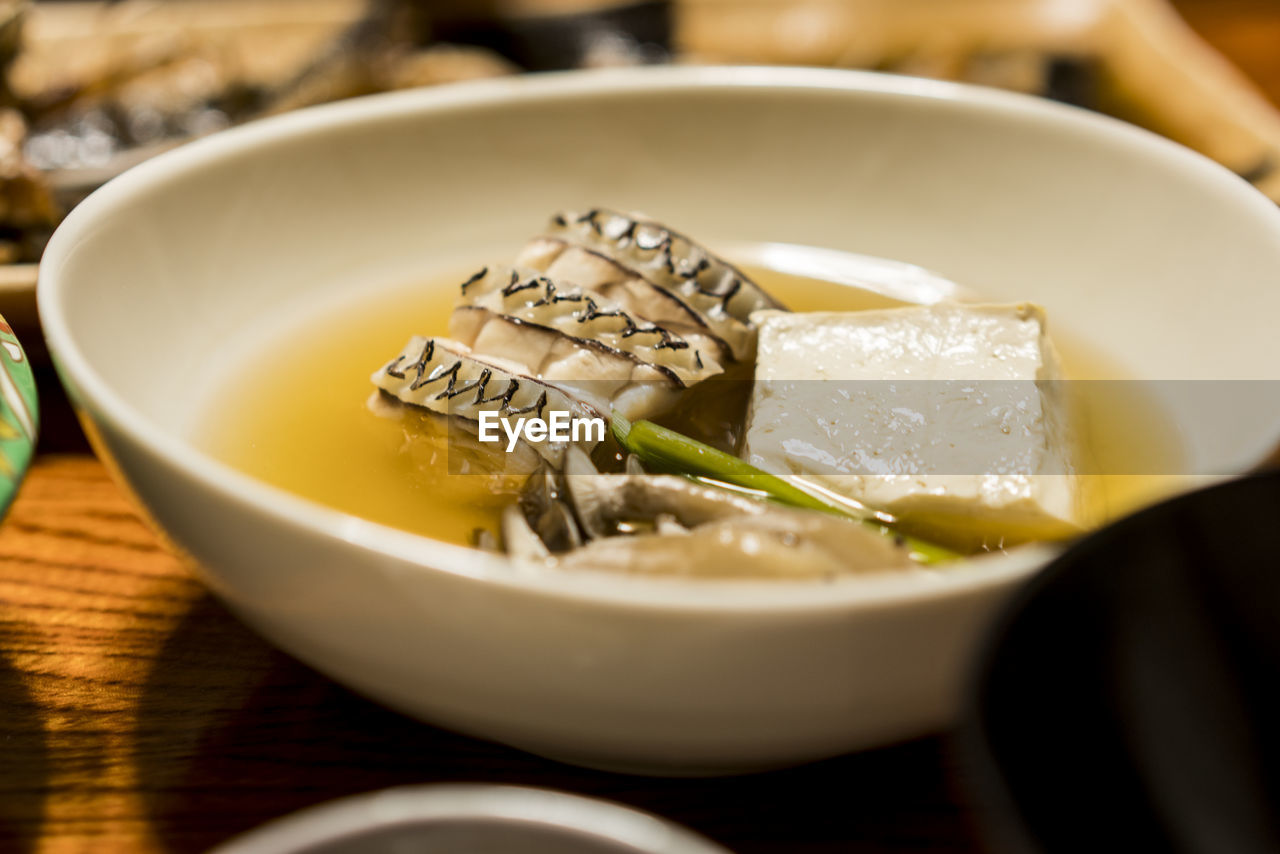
x=445 y=377
x=667 y=258
x=615 y=313
x=560 y=260
x=599 y=375
x=529 y=296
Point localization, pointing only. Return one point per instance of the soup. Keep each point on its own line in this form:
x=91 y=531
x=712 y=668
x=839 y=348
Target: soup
x=322 y=441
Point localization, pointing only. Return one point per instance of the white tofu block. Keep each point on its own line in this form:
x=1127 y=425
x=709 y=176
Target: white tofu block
x=938 y=415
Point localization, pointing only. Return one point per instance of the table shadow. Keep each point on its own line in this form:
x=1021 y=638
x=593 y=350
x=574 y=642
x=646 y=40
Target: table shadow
x=233 y=733
x=24 y=764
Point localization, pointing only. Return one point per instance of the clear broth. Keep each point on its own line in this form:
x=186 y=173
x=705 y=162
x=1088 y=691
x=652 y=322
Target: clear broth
x=321 y=441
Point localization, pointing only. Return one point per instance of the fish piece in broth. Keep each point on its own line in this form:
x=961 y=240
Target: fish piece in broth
x=610 y=313
x=667 y=258
x=564 y=261
x=447 y=378
x=536 y=299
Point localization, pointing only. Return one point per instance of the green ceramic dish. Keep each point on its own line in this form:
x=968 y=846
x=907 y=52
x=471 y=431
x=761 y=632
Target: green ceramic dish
x=19 y=415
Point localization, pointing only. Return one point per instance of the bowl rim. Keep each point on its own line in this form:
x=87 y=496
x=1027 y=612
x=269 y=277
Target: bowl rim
x=433 y=803
x=20 y=411
x=972 y=576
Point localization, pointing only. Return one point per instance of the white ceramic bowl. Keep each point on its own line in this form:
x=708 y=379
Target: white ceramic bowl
x=1157 y=257
x=466 y=818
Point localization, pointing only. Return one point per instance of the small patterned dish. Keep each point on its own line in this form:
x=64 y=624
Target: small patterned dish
x=19 y=415
x=465 y=818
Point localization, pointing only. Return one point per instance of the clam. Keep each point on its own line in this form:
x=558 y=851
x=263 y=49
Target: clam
x=542 y=504
x=644 y=523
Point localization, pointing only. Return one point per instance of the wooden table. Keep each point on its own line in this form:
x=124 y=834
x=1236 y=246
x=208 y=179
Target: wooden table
x=137 y=715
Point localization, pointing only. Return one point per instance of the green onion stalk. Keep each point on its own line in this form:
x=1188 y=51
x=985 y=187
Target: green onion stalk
x=664 y=450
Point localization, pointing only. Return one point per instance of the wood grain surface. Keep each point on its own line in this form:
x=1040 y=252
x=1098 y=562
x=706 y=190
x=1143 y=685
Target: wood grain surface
x=136 y=714
x=139 y=715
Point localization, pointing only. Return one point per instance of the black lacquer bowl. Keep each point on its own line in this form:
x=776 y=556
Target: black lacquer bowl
x=1129 y=698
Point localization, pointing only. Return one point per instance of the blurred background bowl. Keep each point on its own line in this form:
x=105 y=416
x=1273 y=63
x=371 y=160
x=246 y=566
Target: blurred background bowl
x=466 y=819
